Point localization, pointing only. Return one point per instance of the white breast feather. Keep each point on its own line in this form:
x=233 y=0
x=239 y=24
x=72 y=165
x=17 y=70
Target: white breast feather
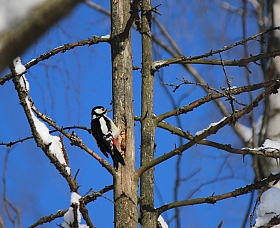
x=103 y=126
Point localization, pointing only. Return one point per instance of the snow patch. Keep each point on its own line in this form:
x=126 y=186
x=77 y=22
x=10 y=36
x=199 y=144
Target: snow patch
x=271 y=145
x=158 y=63
x=75 y=197
x=268 y=146
x=268 y=207
x=69 y=215
x=106 y=36
x=20 y=70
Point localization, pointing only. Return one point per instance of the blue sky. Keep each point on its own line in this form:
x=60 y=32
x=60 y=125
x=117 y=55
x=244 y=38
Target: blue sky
x=68 y=85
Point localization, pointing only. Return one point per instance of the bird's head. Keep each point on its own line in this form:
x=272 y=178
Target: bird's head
x=98 y=111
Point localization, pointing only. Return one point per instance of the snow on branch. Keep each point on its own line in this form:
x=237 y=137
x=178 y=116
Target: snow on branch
x=11 y=143
x=74 y=140
x=54 y=142
x=211 y=125
x=268 y=212
x=51 y=143
x=269 y=146
x=73 y=215
x=83 y=201
x=226 y=147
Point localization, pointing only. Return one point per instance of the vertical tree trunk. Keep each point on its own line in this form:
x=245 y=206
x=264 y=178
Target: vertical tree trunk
x=125 y=187
x=265 y=166
x=148 y=216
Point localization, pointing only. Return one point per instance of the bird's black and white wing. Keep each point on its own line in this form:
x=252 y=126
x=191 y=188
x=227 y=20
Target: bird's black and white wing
x=105 y=133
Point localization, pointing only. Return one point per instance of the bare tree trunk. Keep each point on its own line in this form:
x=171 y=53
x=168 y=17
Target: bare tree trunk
x=125 y=186
x=148 y=216
x=271 y=124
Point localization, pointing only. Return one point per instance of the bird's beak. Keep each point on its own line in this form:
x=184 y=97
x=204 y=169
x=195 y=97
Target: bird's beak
x=108 y=111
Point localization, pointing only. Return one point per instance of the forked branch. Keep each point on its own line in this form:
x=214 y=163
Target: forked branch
x=213 y=129
x=213 y=96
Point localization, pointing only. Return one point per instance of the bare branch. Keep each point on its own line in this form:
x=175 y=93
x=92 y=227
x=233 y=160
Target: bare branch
x=75 y=215
x=167 y=35
x=85 y=214
x=97 y=7
x=2 y=224
x=226 y=147
x=197 y=76
x=59 y=166
x=187 y=82
x=55 y=51
x=134 y=15
x=228 y=90
x=211 y=130
x=49 y=218
x=157 y=64
x=7 y=203
x=214 y=199
x=214 y=96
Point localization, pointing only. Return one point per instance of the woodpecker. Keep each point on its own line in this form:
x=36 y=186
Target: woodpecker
x=105 y=133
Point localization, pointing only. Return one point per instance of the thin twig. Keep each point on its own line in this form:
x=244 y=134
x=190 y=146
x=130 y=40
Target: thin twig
x=228 y=91
x=7 y=203
x=184 y=81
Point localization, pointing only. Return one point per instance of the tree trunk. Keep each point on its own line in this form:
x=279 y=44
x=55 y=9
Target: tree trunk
x=271 y=124
x=148 y=216
x=125 y=187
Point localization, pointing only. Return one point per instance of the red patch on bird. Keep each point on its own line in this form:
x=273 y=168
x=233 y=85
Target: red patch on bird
x=115 y=142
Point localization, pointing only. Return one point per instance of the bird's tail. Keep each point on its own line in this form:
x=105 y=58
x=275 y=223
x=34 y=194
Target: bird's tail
x=117 y=158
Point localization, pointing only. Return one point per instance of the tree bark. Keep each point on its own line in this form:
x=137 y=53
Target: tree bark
x=125 y=186
x=271 y=123
x=148 y=215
